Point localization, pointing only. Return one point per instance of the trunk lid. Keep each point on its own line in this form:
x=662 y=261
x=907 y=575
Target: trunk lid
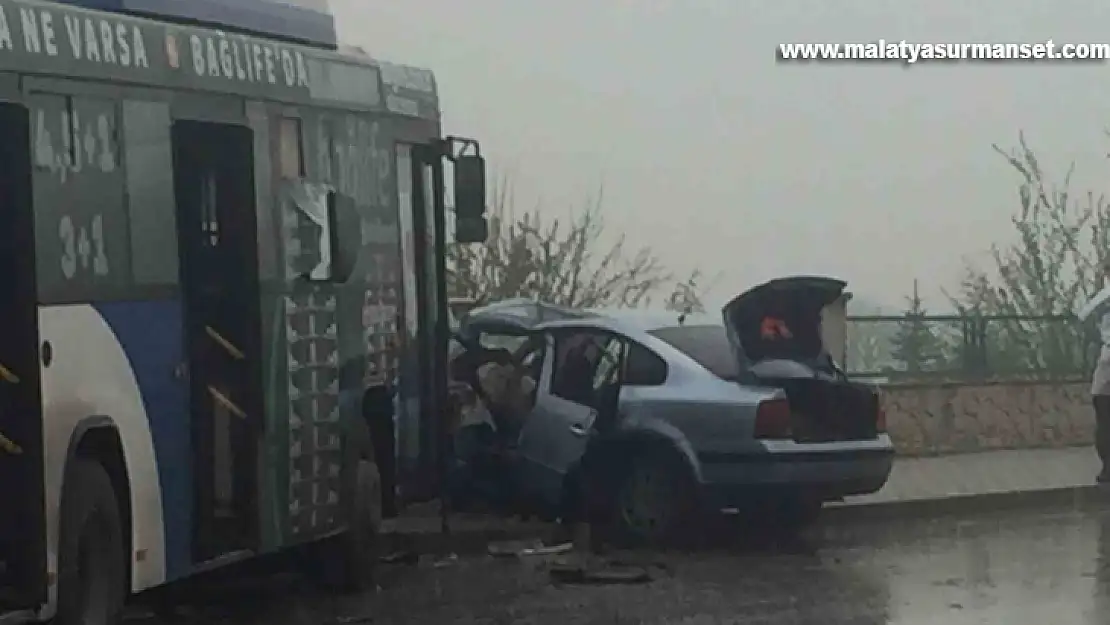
x=783 y=320
x=781 y=333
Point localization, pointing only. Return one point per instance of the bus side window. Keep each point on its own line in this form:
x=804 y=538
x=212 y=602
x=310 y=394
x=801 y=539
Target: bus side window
x=148 y=157
x=291 y=148
x=82 y=235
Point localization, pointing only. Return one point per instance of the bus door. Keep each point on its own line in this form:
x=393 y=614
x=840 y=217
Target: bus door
x=426 y=204
x=424 y=429
x=214 y=189
x=22 y=523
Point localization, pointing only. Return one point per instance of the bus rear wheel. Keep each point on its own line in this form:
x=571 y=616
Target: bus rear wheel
x=92 y=573
x=347 y=562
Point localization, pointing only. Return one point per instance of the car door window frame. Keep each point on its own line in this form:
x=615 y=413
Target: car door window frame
x=547 y=368
x=635 y=349
x=604 y=338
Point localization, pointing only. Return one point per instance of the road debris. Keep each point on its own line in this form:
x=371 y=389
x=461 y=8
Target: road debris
x=450 y=559
x=548 y=550
x=405 y=556
x=354 y=620
x=521 y=548
x=599 y=572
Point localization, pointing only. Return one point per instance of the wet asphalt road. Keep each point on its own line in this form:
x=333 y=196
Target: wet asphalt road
x=1017 y=568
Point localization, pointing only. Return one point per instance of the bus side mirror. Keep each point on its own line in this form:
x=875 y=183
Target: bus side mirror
x=470 y=186
x=470 y=199
x=471 y=230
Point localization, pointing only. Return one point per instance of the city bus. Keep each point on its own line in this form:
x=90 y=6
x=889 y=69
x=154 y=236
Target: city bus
x=207 y=218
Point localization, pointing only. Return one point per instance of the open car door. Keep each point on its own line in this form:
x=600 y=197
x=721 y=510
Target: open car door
x=554 y=435
x=577 y=391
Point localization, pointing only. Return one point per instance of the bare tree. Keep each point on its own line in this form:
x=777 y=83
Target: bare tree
x=561 y=261
x=686 y=297
x=1058 y=262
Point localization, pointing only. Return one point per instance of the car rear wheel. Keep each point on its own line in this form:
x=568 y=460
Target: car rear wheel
x=655 y=501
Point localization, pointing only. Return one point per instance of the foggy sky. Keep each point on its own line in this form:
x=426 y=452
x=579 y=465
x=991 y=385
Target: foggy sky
x=720 y=158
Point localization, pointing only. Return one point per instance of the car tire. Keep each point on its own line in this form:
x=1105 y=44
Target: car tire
x=92 y=559
x=654 y=503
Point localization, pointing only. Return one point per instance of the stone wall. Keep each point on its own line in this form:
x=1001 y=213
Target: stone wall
x=955 y=418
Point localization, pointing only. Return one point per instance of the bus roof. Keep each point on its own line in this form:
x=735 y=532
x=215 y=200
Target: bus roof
x=304 y=21
x=47 y=38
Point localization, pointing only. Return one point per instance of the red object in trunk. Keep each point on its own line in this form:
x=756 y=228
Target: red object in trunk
x=781 y=319
x=772 y=329
x=772 y=419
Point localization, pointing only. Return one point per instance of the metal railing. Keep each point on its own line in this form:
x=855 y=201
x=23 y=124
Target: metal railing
x=924 y=348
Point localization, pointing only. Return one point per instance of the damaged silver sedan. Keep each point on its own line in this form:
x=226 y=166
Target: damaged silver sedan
x=660 y=417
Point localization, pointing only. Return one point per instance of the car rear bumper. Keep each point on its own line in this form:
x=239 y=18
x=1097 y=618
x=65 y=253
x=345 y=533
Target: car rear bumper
x=732 y=480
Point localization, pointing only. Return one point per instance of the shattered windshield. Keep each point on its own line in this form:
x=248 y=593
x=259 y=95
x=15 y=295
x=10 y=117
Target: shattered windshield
x=306 y=209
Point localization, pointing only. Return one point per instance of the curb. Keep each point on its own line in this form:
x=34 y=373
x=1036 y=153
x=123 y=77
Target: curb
x=1071 y=499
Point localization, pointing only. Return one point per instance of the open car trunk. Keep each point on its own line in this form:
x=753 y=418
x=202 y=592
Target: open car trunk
x=778 y=333
x=823 y=408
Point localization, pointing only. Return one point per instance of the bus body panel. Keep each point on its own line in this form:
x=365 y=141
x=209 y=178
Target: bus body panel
x=46 y=38
x=121 y=361
x=136 y=347
x=150 y=335
x=357 y=321
x=72 y=391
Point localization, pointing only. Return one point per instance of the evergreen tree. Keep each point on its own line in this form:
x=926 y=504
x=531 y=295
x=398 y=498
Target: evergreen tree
x=916 y=346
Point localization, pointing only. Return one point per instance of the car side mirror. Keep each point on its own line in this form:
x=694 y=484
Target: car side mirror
x=471 y=230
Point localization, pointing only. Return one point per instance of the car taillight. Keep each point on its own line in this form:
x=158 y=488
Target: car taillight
x=880 y=419
x=772 y=419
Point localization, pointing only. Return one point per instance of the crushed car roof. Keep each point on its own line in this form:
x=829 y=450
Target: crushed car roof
x=516 y=315
x=522 y=315
x=649 y=320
